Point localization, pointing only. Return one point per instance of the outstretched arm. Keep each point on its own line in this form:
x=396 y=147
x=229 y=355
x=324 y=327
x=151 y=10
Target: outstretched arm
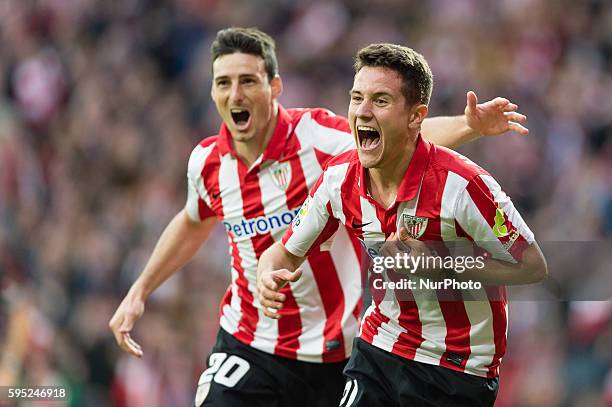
x=177 y=245
x=491 y=118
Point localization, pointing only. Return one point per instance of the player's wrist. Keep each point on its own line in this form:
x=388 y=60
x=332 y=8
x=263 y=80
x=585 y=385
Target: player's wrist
x=139 y=292
x=470 y=130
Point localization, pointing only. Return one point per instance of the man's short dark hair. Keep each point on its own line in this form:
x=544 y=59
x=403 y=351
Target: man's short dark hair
x=409 y=64
x=249 y=41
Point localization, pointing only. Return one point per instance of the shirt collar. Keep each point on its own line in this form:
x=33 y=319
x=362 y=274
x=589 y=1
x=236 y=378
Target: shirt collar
x=275 y=148
x=409 y=187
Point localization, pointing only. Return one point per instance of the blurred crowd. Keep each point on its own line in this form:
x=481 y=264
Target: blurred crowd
x=101 y=103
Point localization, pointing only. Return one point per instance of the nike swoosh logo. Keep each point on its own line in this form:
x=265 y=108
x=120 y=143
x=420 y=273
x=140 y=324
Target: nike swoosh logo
x=359 y=225
x=215 y=195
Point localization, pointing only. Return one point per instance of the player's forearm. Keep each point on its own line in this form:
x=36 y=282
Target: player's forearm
x=448 y=131
x=276 y=257
x=531 y=269
x=177 y=245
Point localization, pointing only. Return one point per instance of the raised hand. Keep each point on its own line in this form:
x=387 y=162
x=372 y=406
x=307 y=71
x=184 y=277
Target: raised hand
x=493 y=117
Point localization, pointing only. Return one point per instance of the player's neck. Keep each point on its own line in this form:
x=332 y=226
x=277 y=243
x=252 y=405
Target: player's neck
x=384 y=181
x=249 y=151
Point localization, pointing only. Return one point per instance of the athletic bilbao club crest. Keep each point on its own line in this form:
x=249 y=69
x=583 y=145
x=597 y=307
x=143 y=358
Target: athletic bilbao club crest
x=281 y=175
x=415 y=225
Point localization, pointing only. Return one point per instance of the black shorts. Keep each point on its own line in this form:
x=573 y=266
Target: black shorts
x=239 y=375
x=378 y=378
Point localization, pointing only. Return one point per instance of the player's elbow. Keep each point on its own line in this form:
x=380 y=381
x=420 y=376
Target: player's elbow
x=540 y=272
x=536 y=264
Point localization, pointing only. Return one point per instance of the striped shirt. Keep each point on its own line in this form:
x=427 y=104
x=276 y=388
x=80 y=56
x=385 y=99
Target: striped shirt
x=257 y=205
x=454 y=201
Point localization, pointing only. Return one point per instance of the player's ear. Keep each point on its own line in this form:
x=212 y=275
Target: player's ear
x=418 y=113
x=277 y=86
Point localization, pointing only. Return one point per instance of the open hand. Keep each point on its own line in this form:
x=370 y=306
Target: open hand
x=493 y=117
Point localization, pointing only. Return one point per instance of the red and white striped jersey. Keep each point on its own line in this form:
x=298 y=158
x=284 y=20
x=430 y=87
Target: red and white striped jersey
x=257 y=205
x=456 y=201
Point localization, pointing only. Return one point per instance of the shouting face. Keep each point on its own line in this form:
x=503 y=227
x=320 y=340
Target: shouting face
x=383 y=124
x=244 y=96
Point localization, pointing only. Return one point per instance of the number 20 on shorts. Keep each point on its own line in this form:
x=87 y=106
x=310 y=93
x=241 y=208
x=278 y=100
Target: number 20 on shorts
x=224 y=370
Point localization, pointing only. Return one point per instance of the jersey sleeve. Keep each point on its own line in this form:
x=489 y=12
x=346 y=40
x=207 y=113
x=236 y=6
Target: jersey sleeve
x=198 y=201
x=314 y=224
x=487 y=215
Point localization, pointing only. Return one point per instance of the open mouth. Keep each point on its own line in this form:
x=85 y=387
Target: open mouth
x=240 y=116
x=369 y=137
